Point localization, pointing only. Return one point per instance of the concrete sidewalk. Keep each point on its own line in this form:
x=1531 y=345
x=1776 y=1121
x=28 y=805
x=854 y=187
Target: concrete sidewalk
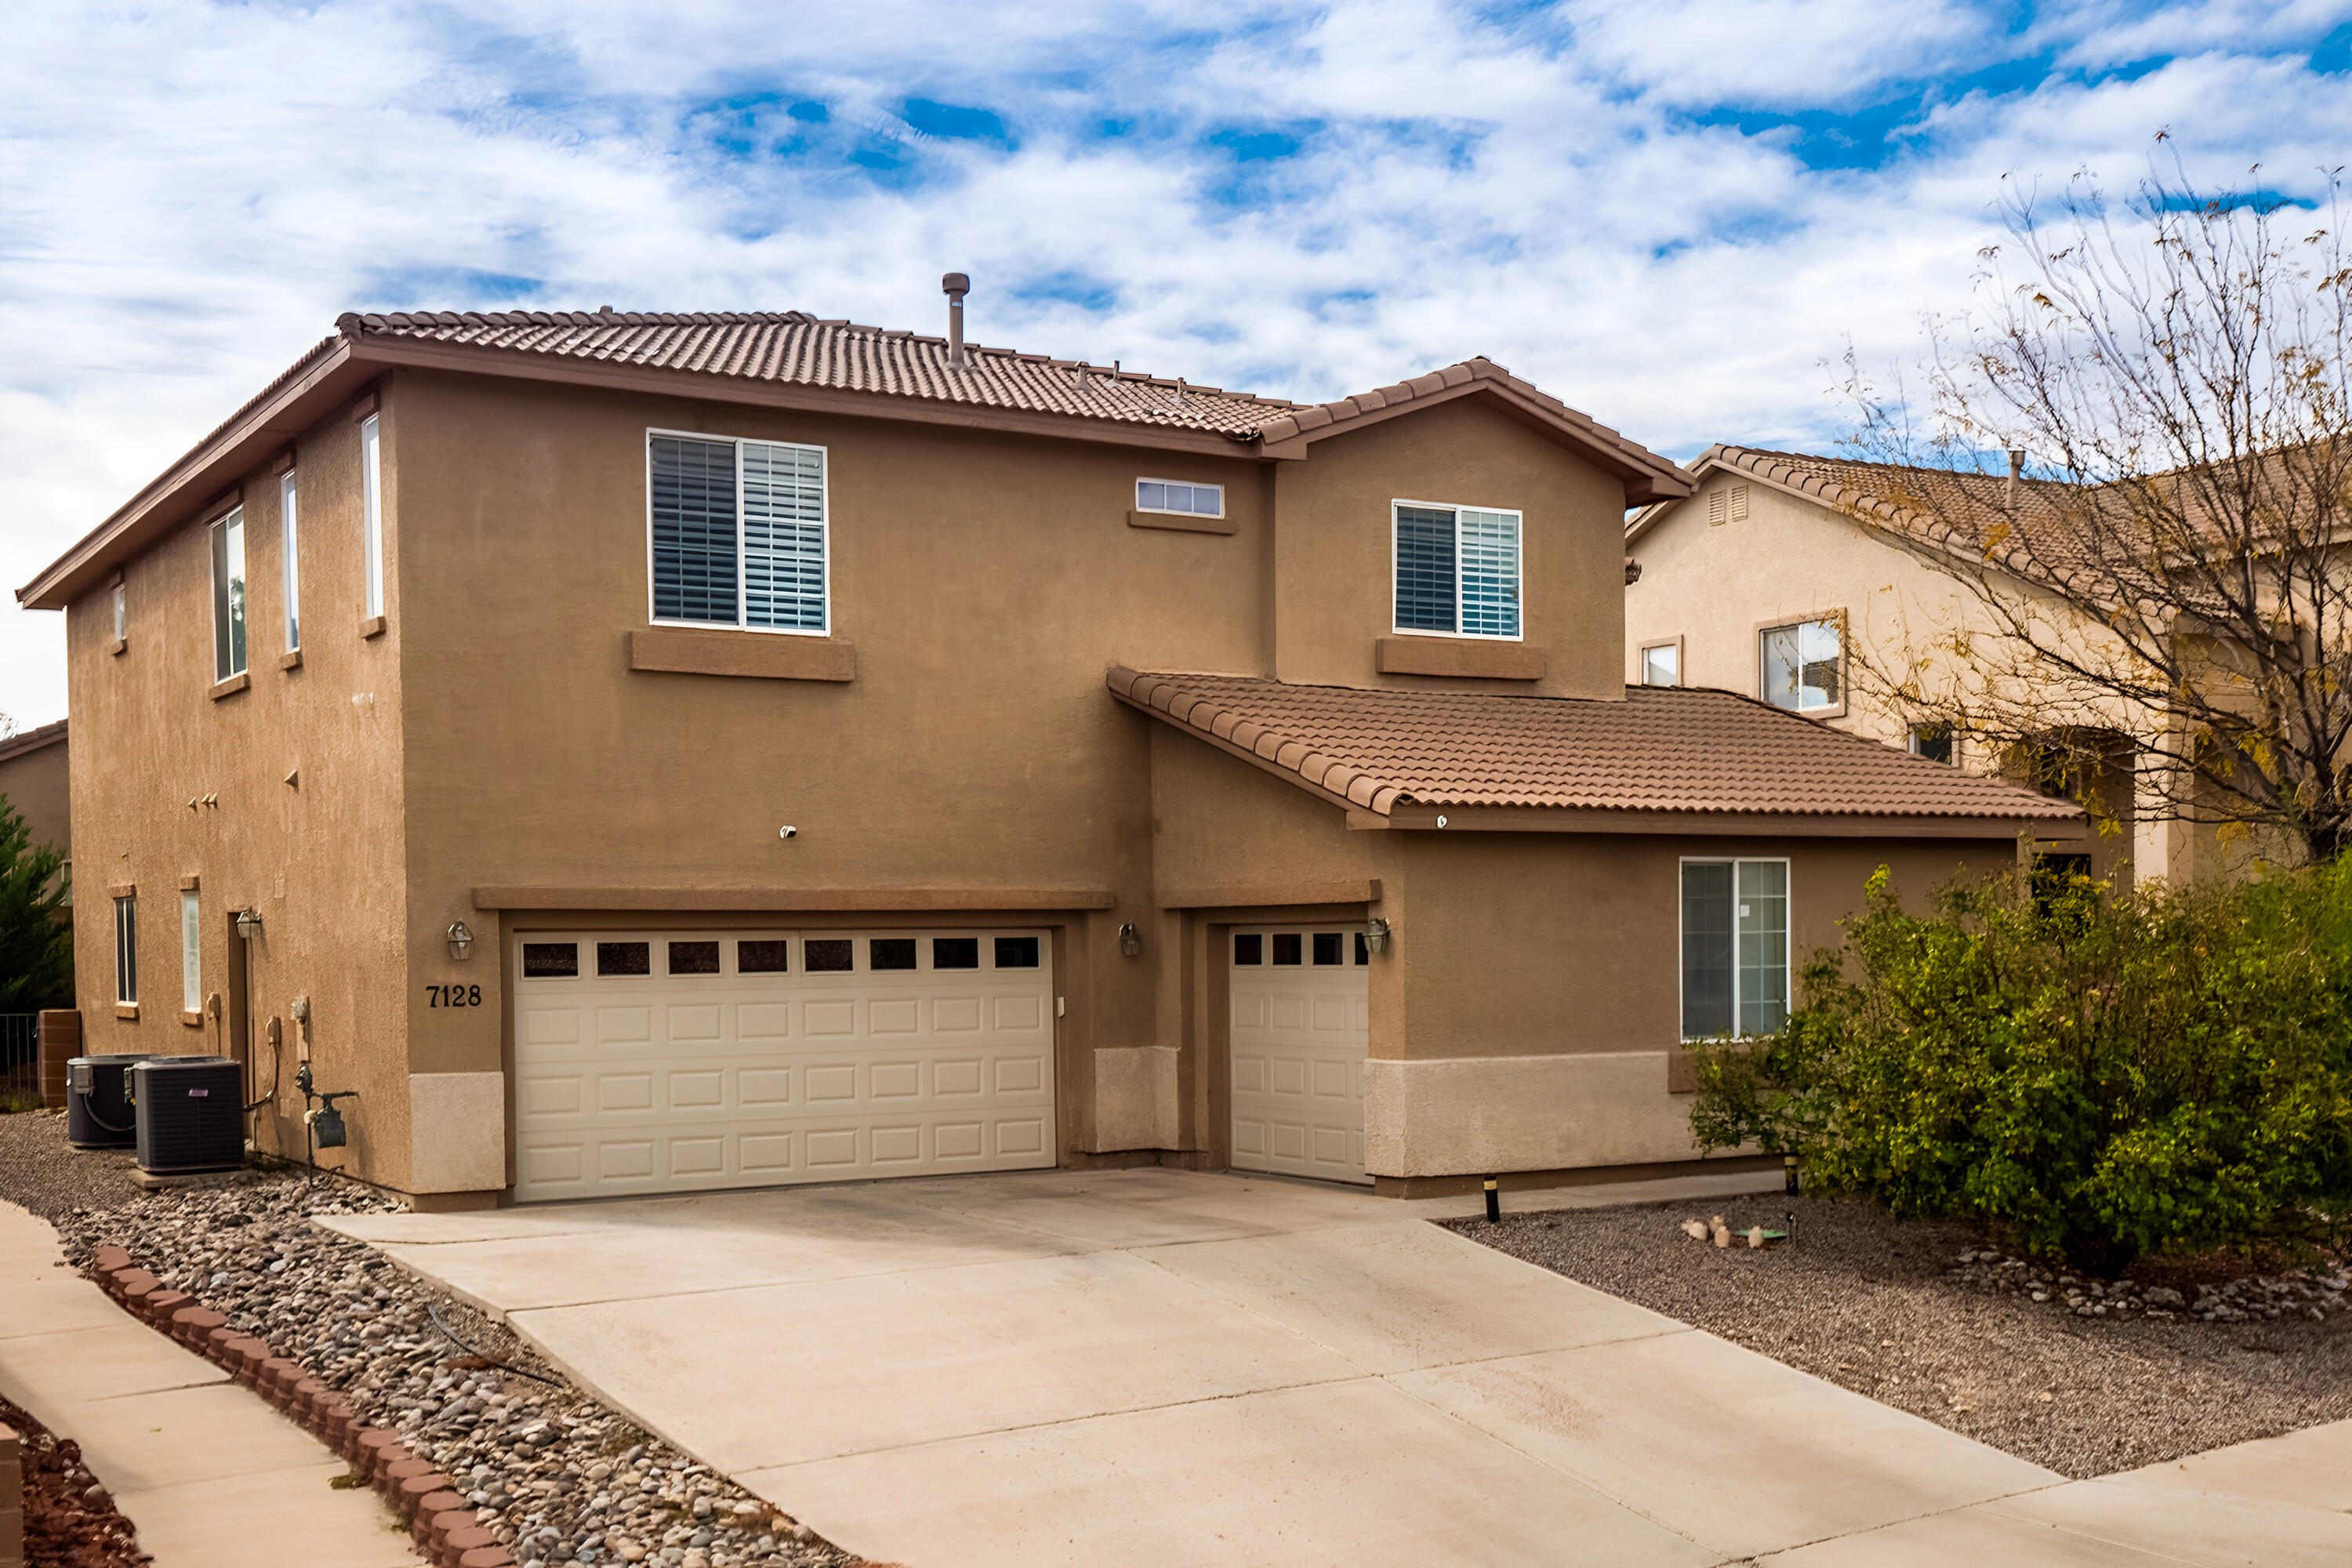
x=205 y=1469
x=1160 y=1367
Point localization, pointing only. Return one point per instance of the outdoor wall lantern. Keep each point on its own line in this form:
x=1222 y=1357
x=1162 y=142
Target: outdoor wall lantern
x=1376 y=935
x=1131 y=941
x=461 y=940
x=248 y=924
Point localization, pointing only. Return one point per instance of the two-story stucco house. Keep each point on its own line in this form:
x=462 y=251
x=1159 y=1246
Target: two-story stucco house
x=1810 y=583
x=670 y=752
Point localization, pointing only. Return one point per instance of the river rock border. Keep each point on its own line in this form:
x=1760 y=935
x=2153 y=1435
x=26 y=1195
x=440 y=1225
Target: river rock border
x=442 y=1524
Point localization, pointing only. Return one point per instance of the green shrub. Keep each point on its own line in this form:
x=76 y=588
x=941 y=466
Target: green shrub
x=36 y=940
x=2095 y=1076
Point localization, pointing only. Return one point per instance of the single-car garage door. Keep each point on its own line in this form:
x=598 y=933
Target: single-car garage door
x=666 y=1061
x=1301 y=1024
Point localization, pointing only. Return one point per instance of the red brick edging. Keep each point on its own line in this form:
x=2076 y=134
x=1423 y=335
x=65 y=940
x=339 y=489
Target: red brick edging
x=438 y=1518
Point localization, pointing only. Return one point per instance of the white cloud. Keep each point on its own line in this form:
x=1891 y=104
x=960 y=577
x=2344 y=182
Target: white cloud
x=192 y=192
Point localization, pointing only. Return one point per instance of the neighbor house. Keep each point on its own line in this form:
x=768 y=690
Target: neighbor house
x=642 y=752
x=34 y=782
x=1812 y=584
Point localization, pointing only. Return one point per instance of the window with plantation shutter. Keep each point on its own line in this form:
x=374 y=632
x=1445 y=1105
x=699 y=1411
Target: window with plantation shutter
x=737 y=533
x=1457 y=571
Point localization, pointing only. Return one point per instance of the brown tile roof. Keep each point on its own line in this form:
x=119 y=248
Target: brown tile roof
x=1938 y=504
x=796 y=349
x=1660 y=750
x=791 y=346
x=24 y=740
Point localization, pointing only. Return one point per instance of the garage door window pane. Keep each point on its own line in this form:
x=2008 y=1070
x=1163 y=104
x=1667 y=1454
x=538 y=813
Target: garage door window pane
x=1017 y=953
x=624 y=958
x=1249 y=948
x=1363 y=953
x=955 y=952
x=550 y=960
x=1327 y=947
x=892 y=952
x=766 y=956
x=828 y=955
x=694 y=958
x=1286 y=947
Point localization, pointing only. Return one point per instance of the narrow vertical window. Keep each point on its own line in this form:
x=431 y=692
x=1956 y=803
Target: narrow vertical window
x=126 y=949
x=122 y=619
x=291 y=556
x=737 y=533
x=1735 y=948
x=192 y=968
x=371 y=511
x=228 y=596
x=1457 y=571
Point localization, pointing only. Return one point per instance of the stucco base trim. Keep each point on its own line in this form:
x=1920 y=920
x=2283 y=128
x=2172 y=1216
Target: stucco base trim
x=1135 y=1097
x=456 y=1131
x=861 y=901
x=1481 y=1115
x=1461 y=658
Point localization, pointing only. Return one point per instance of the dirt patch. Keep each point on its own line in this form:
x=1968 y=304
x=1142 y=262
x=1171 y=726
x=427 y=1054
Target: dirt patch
x=70 y=1520
x=1878 y=1305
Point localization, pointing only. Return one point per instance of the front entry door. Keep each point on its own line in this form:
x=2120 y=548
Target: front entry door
x=1301 y=1025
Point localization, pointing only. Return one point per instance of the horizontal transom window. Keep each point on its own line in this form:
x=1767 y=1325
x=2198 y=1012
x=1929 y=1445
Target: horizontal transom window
x=738 y=533
x=1193 y=501
x=1457 y=570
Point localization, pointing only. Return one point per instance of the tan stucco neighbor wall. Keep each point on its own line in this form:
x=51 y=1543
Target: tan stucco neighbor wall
x=37 y=784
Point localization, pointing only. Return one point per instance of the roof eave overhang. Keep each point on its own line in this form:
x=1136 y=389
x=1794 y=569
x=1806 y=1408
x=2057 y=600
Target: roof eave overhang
x=1383 y=807
x=213 y=468
x=1643 y=482
x=346 y=366
x=702 y=385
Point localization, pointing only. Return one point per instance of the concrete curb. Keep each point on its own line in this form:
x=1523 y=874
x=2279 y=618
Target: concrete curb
x=441 y=1523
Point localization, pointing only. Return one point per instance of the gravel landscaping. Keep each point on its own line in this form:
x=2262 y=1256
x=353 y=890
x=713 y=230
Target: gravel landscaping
x=556 y=1476
x=2078 y=1380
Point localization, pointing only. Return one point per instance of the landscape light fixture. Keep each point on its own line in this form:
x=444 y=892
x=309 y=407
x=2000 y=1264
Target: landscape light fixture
x=1376 y=935
x=461 y=940
x=1131 y=941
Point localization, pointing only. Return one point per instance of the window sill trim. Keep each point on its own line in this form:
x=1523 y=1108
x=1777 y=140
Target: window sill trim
x=371 y=627
x=117 y=646
x=127 y=1011
x=677 y=650
x=1182 y=522
x=231 y=687
x=192 y=1020
x=1837 y=712
x=1461 y=658
x=290 y=659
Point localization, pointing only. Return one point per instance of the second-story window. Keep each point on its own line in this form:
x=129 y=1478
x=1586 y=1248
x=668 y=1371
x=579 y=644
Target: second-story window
x=1187 y=500
x=1457 y=570
x=372 y=513
x=1804 y=665
x=228 y=596
x=291 y=559
x=121 y=618
x=737 y=533
x=1661 y=664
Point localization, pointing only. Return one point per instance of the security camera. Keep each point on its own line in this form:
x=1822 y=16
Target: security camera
x=788 y=831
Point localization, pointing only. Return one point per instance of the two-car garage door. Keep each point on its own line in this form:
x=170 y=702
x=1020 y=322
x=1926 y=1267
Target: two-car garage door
x=663 y=1061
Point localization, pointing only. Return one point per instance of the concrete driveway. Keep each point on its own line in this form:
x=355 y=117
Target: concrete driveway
x=1159 y=1367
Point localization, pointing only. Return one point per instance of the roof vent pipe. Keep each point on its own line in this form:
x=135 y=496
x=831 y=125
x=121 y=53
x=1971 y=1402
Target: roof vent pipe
x=955 y=286
x=2016 y=466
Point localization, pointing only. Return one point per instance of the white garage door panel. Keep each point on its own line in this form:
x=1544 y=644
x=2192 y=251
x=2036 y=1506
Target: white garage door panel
x=1301 y=1025
x=632 y=1079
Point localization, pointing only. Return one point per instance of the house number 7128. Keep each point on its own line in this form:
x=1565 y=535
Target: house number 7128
x=453 y=995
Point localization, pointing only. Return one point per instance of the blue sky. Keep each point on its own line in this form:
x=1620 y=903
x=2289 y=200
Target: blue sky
x=1672 y=215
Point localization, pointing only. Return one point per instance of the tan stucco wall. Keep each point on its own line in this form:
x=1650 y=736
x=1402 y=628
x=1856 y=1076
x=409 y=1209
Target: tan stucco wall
x=319 y=859
x=1333 y=589
x=38 y=786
